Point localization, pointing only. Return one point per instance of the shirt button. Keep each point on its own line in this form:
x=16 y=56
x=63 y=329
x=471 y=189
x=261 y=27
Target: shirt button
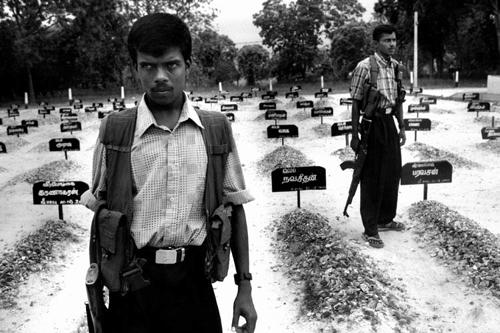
x=171 y=199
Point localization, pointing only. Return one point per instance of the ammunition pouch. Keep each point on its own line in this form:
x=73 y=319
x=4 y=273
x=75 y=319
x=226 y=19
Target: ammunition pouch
x=218 y=244
x=371 y=100
x=112 y=228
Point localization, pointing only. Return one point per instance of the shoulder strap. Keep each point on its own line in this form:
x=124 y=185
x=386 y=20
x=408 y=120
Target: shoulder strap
x=118 y=132
x=373 y=71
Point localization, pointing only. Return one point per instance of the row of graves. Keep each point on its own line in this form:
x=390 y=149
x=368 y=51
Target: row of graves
x=69 y=117
x=283 y=179
x=269 y=105
x=474 y=104
x=298 y=179
x=60 y=193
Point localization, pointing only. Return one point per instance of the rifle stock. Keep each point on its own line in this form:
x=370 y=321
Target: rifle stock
x=349 y=164
x=95 y=307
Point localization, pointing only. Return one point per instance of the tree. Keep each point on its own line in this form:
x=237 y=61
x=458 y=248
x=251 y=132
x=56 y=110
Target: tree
x=216 y=55
x=340 y=13
x=253 y=62
x=291 y=31
x=30 y=21
x=198 y=14
x=295 y=31
x=467 y=30
x=98 y=35
x=350 y=44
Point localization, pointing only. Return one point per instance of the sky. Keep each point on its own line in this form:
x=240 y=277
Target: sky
x=235 y=19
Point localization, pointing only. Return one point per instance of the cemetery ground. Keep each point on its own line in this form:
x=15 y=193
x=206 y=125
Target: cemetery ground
x=312 y=271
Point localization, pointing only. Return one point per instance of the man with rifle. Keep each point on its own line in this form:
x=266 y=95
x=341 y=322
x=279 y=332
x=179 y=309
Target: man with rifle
x=377 y=97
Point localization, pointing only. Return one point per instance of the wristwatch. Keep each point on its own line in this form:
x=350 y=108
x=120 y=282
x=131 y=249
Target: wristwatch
x=242 y=276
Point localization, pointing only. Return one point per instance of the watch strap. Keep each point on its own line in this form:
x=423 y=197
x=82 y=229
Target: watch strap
x=242 y=276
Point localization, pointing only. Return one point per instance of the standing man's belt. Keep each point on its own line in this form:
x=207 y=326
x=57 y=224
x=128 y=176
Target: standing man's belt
x=383 y=111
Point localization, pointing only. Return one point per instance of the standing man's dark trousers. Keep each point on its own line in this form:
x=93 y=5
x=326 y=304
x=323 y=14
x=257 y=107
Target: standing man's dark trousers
x=179 y=299
x=380 y=175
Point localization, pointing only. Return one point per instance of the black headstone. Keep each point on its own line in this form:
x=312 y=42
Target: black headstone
x=298 y=178
x=426 y=172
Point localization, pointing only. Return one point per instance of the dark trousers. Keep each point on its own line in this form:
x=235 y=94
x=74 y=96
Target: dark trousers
x=380 y=175
x=179 y=300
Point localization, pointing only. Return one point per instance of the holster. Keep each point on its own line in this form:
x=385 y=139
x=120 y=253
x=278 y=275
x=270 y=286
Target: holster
x=218 y=244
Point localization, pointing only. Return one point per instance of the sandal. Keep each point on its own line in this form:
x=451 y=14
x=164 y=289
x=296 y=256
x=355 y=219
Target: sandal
x=373 y=241
x=393 y=225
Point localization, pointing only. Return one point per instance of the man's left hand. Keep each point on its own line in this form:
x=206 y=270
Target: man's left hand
x=402 y=137
x=243 y=306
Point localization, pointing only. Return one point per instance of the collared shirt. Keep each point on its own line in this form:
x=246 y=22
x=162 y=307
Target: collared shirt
x=386 y=80
x=169 y=171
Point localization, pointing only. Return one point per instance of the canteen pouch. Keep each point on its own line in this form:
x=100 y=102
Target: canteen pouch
x=112 y=233
x=219 y=245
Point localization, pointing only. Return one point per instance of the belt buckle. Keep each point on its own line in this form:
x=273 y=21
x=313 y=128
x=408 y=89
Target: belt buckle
x=170 y=256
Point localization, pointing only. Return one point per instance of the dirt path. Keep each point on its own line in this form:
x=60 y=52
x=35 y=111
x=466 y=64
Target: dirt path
x=52 y=301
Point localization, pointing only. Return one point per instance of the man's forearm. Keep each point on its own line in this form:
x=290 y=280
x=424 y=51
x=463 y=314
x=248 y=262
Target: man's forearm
x=355 y=117
x=239 y=244
x=399 y=117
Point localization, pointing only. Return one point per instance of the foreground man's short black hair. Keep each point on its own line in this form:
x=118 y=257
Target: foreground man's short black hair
x=381 y=30
x=153 y=34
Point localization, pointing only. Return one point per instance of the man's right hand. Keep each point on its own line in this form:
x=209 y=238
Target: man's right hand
x=355 y=143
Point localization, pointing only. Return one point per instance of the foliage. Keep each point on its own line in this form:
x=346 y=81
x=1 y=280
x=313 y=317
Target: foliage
x=252 y=62
x=215 y=54
x=350 y=44
x=294 y=32
x=197 y=14
x=50 y=45
x=339 y=13
x=291 y=31
x=465 y=34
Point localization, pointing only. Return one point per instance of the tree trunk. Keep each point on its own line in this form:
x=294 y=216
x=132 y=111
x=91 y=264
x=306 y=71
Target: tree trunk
x=496 y=12
x=30 y=84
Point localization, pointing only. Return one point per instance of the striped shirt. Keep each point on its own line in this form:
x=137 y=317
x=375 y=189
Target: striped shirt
x=169 y=171
x=386 y=80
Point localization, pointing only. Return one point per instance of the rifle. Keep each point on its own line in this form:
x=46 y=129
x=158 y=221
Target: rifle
x=359 y=161
x=95 y=307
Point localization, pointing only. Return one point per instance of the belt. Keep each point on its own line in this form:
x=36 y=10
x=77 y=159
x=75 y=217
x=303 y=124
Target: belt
x=167 y=255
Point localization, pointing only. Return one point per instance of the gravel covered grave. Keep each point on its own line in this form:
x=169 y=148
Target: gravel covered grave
x=344 y=154
x=13 y=143
x=427 y=152
x=323 y=129
x=490 y=145
x=50 y=171
x=339 y=282
x=283 y=157
x=31 y=254
x=472 y=251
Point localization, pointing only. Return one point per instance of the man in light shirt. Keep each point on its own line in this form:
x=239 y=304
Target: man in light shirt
x=382 y=168
x=177 y=156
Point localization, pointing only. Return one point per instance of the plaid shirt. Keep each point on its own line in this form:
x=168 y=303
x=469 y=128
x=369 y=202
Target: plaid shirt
x=169 y=170
x=386 y=80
